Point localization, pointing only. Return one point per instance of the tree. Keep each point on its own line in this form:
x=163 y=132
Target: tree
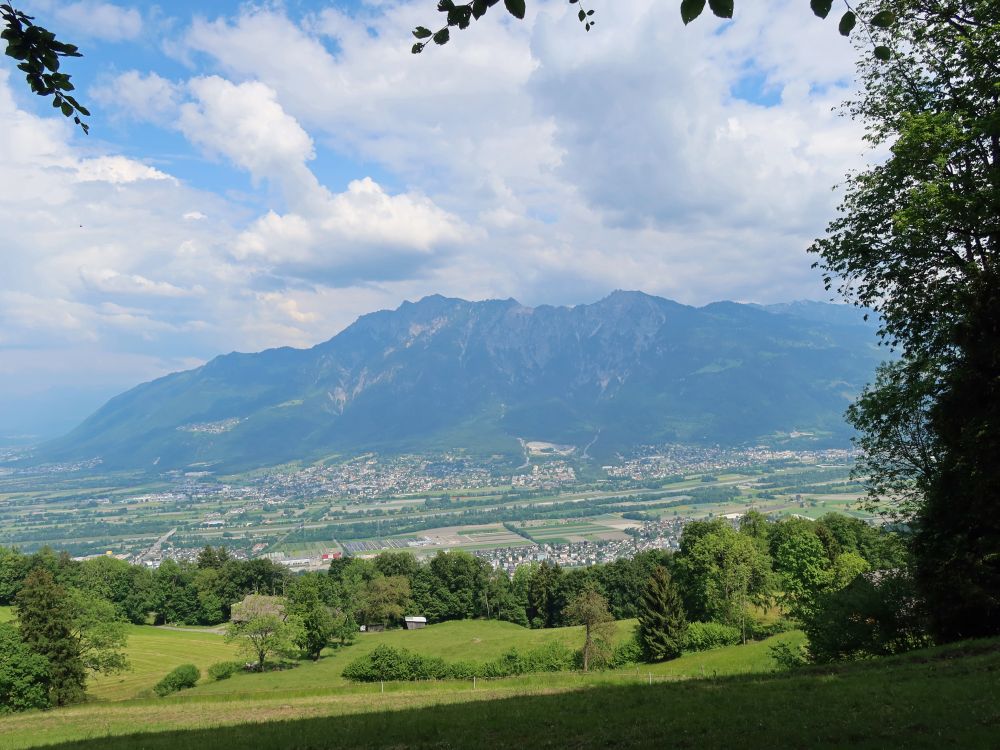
x=805 y=570
x=726 y=571
x=100 y=633
x=13 y=569
x=590 y=609
x=385 y=599
x=918 y=241
x=661 y=618
x=45 y=622
x=262 y=628
x=317 y=622
x=24 y=674
x=39 y=53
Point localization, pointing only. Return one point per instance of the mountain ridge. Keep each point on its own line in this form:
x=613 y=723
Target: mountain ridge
x=447 y=373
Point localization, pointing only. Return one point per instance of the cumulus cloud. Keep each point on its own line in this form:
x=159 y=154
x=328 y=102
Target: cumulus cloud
x=140 y=96
x=110 y=281
x=523 y=159
x=246 y=124
x=99 y=20
x=116 y=169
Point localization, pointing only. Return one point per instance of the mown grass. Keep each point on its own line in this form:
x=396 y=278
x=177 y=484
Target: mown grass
x=6 y=614
x=460 y=640
x=152 y=652
x=931 y=699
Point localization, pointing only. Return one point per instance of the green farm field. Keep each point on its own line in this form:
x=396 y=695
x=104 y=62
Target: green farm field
x=940 y=697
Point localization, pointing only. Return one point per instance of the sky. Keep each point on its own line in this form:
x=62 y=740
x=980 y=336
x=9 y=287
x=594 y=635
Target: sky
x=260 y=175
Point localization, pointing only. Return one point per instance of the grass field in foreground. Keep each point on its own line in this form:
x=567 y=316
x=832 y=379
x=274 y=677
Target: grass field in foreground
x=931 y=699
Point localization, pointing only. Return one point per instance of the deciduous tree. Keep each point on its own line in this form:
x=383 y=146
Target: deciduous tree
x=590 y=609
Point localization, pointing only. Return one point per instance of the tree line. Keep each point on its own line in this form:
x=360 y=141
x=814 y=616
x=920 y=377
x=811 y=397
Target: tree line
x=842 y=580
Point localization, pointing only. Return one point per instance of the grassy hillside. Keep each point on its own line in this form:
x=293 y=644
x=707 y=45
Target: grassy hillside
x=939 y=697
x=155 y=651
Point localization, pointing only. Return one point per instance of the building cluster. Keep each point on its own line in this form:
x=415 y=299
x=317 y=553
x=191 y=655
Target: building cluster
x=373 y=476
x=663 y=461
x=546 y=476
x=657 y=535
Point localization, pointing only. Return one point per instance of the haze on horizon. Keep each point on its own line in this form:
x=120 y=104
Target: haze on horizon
x=229 y=200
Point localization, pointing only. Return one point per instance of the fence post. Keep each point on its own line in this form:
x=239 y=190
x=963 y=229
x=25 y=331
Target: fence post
x=473 y=682
x=382 y=683
x=650 y=678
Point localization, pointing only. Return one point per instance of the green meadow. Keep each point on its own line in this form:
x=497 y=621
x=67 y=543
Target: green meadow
x=929 y=699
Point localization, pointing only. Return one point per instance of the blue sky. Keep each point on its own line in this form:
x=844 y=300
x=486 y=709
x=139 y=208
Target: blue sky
x=260 y=174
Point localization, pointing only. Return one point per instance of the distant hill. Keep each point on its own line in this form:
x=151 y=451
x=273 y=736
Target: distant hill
x=446 y=373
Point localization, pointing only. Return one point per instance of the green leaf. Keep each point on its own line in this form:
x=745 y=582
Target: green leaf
x=821 y=7
x=884 y=20
x=847 y=22
x=417 y=48
x=582 y=15
x=516 y=7
x=422 y=32
x=691 y=9
x=67 y=108
x=883 y=53
x=479 y=8
x=442 y=36
x=721 y=8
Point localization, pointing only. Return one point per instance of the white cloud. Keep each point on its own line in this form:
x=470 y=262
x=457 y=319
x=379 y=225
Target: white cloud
x=144 y=97
x=524 y=159
x=245 y=124
x=110 y=281
x=117 y=170
x=97 y=20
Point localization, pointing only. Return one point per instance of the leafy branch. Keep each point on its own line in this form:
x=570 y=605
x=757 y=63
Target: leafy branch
x=39 y=51
x=461 y=15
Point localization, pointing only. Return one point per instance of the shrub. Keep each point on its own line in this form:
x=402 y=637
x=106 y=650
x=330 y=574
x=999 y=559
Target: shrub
x=702 y=636
x=628 y=652
x=223 y=670
x=758 y=631
x=388 y=663
x=184 y=676
x=787 y=656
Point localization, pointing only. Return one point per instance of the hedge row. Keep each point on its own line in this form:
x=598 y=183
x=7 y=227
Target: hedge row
x=389 y=663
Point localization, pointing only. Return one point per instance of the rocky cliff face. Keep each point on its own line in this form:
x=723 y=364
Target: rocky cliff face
x=447 y=373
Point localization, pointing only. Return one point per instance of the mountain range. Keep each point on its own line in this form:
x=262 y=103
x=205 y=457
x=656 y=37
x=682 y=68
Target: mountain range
x=445 y=374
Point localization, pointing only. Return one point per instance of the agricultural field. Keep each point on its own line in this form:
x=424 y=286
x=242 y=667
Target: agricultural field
x=361 y=506
x=719 y=698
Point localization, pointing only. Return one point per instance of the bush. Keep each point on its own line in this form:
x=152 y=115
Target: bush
x=388 y=663
x=184 y=676
x=629 y=652
x=758 y=631
x=876 y=614
x=787 y=656
x=702 y=636
x=223 y=670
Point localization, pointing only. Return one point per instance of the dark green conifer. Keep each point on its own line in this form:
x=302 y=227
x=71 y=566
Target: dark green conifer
x=45 y=620
x=662 y=623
